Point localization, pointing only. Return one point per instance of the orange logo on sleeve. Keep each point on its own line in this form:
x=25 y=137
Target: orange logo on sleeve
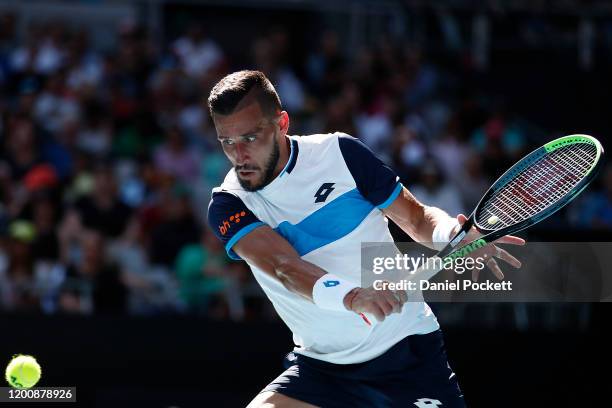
x=223 y=228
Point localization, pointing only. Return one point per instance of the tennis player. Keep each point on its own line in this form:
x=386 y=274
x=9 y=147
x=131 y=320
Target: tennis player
x=296 y=209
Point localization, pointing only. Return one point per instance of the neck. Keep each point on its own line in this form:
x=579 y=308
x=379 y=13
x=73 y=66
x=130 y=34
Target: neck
x=284 y=149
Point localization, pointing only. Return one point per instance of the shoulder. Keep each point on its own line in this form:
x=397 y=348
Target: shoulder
x=355 y=152
x=227 y=214
x=321 y=144
x=227 y=197
x=321 y=138
x=230 y=219
x=345 y=142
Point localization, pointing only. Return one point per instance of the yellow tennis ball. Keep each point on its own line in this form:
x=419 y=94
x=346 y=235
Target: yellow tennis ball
x=23 y=372
x=493 y=220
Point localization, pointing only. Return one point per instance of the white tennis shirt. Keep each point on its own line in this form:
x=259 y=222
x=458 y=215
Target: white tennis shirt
x=325 y=202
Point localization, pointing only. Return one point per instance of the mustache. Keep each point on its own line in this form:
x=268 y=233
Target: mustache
x=246 y=167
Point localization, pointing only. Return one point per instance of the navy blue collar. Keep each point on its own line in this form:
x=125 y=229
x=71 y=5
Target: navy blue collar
x=292 y=157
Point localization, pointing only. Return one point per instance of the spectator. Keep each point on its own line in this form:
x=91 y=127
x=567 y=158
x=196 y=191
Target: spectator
x=176 y=159
x=45 y=215
x=499 y=136
x=42 y=53
x=21 y=152
x=7 y=39
x=339 y=117
x=326 y=66
x=55 y=107
x=435 y=191
x=471 y=181
x=152 y=289
x=17 y=274
x=595 y=209
x=450 y=153
x=376 y=128
x=95 y=136
x=85 y=65
x=269 y=58
x=177 y=228
x=201 y=271
x=199 y=55
x=409 y=154
x=102 y=210
x=92 y=284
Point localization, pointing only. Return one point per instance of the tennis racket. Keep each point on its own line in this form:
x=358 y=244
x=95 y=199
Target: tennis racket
x=533 y=189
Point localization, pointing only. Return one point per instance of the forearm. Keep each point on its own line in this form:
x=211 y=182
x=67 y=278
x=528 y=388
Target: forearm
x=325 y=290
x=272 y=254
x=435 y=217
x=418 y=220
x=312 y=282
x=297 y=275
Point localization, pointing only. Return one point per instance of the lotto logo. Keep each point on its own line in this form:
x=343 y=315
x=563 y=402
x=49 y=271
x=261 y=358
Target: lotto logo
x=330 y=283
x=323 y=192
x=223 y=228
x=427 y=403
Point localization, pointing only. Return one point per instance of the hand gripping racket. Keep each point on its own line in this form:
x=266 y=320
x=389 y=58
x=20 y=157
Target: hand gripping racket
x=533 y=189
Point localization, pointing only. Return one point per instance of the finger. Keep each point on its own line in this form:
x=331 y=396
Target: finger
x=510 y=239
x=461 y=219
x=506 y=257
x=378 y=313
x=475 y=274
x=492 y=265
x=385 y=304
x=402 y=296
x=393 y=301
x=398 y=301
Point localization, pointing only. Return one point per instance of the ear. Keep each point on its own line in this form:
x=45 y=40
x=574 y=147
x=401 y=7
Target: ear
x=283 y=123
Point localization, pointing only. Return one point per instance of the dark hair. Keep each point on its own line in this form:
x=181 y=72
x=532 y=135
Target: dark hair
x=229 y=91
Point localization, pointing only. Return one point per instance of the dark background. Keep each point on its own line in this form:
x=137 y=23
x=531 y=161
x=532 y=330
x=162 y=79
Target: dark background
x=187 y=363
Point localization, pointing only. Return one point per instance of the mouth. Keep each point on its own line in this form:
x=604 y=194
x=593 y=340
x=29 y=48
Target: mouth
x=246 y=173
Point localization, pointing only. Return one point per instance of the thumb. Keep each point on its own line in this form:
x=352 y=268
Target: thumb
x=461 y=219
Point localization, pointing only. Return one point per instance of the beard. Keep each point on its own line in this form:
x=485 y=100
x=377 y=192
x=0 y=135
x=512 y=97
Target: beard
x=268 y=171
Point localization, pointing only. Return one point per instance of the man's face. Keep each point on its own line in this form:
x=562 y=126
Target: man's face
x=250 y=141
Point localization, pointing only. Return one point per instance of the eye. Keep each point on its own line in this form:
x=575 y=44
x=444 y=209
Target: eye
x=227 y=142
x=250 y=138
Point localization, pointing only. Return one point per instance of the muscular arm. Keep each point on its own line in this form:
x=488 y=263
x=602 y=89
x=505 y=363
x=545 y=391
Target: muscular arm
x=415 y=218
x=378 y=183
x=271 y=253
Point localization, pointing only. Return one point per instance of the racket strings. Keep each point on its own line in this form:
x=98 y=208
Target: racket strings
x=538 y=186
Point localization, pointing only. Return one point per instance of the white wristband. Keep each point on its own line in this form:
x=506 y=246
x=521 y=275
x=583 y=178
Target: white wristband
x=329 y=291
x=442 y=231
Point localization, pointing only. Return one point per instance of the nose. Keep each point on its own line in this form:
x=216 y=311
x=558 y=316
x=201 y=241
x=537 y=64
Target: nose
x=241 y=154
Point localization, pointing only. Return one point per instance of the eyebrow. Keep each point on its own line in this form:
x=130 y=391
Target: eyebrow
x=250 y=132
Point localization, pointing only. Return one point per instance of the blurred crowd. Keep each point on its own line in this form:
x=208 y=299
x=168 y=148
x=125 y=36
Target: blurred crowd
x=107 y=159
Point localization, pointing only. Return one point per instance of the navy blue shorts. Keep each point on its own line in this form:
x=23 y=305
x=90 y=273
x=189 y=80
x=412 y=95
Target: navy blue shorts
x=412 y=373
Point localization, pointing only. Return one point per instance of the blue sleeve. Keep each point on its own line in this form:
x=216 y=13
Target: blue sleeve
x=376 y=181
x=230 y=219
